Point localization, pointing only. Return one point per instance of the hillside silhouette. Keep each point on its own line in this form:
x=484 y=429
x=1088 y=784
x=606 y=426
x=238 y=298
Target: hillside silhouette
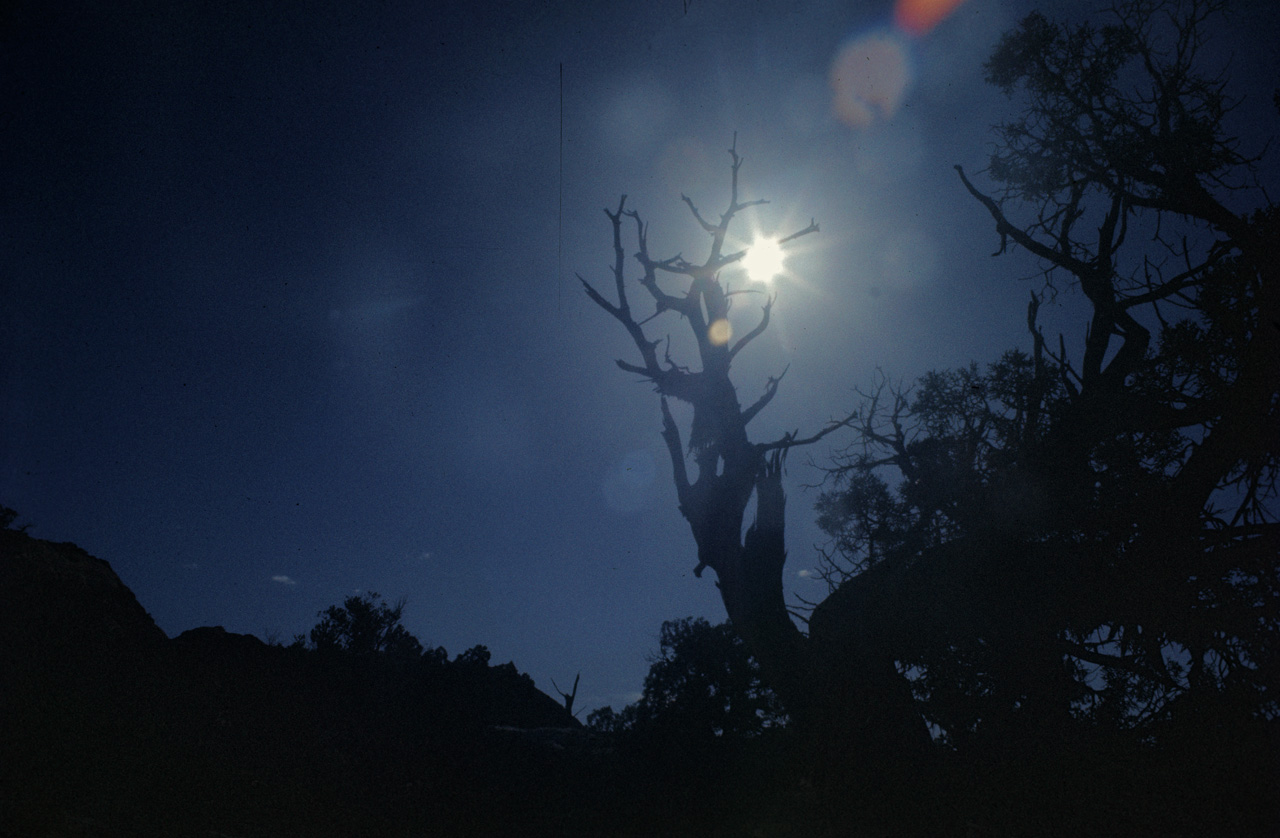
x=112 y=728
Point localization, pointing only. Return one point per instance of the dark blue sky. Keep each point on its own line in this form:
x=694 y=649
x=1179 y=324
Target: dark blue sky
x=290 y=308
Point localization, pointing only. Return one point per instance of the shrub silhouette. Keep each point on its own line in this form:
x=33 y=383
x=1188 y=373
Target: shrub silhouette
x=702 y=684
x=363 y=627
x=7 y=517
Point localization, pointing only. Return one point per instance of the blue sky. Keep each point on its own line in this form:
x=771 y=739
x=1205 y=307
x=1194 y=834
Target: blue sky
x=292 y=313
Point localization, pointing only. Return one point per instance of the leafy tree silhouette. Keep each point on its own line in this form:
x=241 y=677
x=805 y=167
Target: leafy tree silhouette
x=1057 y=541
x=475 y=657
x=704 y=680
x=7 y=517
x=702 y=683
x=363 y=627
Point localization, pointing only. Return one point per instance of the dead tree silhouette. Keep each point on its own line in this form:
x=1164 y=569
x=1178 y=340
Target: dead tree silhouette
x=829 y=679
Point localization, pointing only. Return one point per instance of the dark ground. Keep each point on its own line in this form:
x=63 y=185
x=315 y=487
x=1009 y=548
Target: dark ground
x=112 y=729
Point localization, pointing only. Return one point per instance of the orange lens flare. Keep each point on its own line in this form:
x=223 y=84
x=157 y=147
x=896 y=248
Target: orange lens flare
x=917 y=17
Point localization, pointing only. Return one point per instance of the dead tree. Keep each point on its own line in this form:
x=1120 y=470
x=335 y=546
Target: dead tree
x=823 y=680
x=569 y=697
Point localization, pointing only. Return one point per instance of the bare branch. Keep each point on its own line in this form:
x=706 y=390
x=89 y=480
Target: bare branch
x=770 y=390
x=756 y=332
x=789 y=441
x=1128 y=664
x=812 y=228
x=601 y=301
x=1007 y=230
x=638 y=370
x=649 y=281
x=615 y=219
x=1175 y=284
x=706 y=225
x=568 y=696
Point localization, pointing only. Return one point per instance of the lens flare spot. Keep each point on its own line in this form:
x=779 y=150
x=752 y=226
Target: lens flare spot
x=919 y=16
x=720 y=332
x=764 y=260
x=869 y=79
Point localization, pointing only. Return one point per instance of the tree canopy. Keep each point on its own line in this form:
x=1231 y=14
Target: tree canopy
x=1091 y=537
x=702 y=683
x=363 y=626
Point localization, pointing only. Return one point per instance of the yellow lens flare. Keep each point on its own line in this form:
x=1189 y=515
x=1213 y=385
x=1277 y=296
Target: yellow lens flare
x=764 y=260
x=719 y=332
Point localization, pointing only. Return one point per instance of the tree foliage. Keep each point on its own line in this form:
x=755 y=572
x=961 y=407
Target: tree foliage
x=363 y=627
x=475 y=657
x=1068 y=539
x=702 y=683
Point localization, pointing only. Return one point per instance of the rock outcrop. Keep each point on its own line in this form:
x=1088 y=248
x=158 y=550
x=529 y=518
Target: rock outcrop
x=58 y=598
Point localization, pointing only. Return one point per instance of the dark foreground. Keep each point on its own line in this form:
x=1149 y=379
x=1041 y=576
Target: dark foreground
x=111 y=729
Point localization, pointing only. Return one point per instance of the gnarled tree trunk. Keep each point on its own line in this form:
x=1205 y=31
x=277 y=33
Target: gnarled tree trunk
x=831 y=680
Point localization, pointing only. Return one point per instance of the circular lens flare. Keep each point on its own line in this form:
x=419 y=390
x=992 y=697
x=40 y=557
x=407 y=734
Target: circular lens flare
x=719 y=332
x=764 y=260
x=869 y=79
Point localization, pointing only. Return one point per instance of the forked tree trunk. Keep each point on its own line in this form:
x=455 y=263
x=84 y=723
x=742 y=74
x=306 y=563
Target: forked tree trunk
x=833 y=684
x=840 y=690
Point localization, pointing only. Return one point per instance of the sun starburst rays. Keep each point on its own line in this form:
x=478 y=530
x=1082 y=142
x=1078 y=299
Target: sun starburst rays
x=765 y=260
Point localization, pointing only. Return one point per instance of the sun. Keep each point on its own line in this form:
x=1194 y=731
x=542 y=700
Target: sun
x=764 y=260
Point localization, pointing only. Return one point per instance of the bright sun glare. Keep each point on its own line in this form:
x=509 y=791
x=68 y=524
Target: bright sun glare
x=764 y=260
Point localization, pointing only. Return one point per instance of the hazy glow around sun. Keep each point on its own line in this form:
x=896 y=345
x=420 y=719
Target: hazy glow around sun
x=764 y=260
